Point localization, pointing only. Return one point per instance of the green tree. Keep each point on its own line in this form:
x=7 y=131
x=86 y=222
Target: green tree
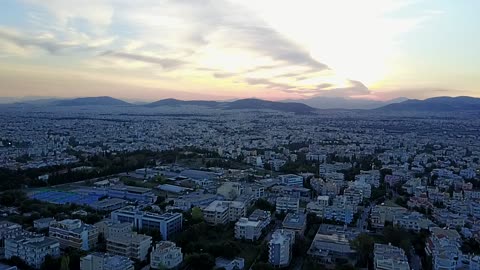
x=197 y=214
x=200 y=261
x=363 y=245
x=65 y=262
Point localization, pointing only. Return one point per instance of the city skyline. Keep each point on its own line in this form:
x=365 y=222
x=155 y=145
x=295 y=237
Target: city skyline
x=219 y=50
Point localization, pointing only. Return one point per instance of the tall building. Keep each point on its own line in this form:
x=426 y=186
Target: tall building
x=74 y=233
x=165 y=254
x=131 y=245
x=222 y=212
x=167 y=223
x=31 y=249
x=280 y=248
x=105 y=261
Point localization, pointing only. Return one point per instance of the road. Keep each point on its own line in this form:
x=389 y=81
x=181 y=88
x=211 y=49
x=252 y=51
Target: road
x=362 y=220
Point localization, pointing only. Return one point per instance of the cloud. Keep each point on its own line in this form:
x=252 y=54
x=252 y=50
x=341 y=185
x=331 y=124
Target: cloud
x=356 y=88
x=268 y=84
x=49 y=43
x=167 y=63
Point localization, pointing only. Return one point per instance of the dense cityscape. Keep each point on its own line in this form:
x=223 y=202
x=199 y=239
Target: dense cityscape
x=89 y=187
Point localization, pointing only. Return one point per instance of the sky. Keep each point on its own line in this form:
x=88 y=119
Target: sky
x=224 y=49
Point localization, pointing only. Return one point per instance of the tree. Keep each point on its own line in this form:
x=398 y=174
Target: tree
x=50 y=263
x=200 y=261
x=263 y=204
x=64 y=264
x=262 y=266
x=363 y=244
x=197 y=214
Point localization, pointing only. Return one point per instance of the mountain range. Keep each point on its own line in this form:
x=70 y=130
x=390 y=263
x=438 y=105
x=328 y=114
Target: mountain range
x=345 y=103
x=436 y=104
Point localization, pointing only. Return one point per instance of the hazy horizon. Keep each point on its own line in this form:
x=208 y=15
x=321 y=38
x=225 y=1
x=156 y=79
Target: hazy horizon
x=221 y=50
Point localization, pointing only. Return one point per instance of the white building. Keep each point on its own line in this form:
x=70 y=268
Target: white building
x=130 y=245
x=444 y=248
x=291 y=180
x=165 y=254
x=222 y=212
x=32 y=249
x=286 y=204
x=280 y=248
x=43 y=223
x=105 y=261
x=388 y=257
x=74 y=233
x=167 y=223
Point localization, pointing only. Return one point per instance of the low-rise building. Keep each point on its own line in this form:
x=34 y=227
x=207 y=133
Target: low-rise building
x=222 y=212
x=291 y=180
x=165 y=254
x=251 y=228
x=109 y=204
x=287 y=204
x=130 y=245
x=168 y=223
x=32 y=249
x=296 y=222
x=230 y=264
x=105 y=261
x=412 y=221
x=388 y=257
x=74 y=233
x=444 y=247
x=43 y=223
x=332 y=245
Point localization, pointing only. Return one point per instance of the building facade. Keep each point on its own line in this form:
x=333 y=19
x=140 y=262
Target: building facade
x=168 y=223
x=166 y=254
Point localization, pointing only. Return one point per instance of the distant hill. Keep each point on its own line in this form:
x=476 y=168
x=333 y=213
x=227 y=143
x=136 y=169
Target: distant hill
x=344 y=103
x=249 y=103
x=259 y=104
x=91 y=101
x=436 y=104
x=176 y=102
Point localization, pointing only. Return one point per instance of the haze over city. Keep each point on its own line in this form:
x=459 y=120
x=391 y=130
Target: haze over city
x=217 y=50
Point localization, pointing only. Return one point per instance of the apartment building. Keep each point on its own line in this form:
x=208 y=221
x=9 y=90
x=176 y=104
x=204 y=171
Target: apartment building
x=130 y=245
x=165 y=254
x=222 y=212
x=412 y=221
x=287 y=204
x=296 y=222
x=105 y=261
x=280 y=248
x=291 y=180
x=168 y=223
x=74 y=233
x=330 y=247
x=443 y=246
x=32 y=249
x=388 y=257
x=8 y=230
x=251 y=228
x=105 y=226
